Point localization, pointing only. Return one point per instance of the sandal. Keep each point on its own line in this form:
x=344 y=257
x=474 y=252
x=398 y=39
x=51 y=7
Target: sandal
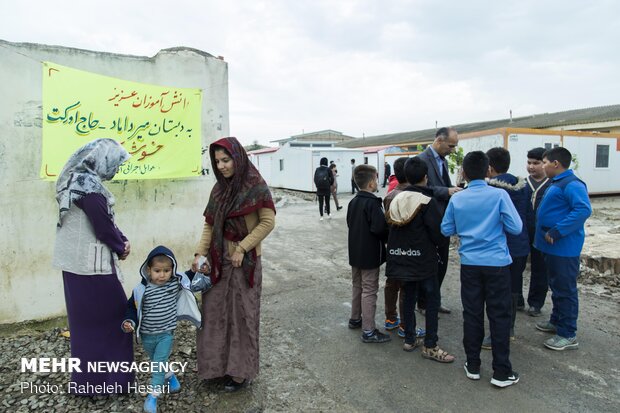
x=437 y=354
x=410 y=347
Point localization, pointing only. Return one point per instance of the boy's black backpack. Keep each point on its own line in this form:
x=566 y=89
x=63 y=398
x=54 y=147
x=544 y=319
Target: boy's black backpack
x=322 y=178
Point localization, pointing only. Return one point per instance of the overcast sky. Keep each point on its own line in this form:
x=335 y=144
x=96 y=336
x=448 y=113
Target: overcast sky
x=362 y=67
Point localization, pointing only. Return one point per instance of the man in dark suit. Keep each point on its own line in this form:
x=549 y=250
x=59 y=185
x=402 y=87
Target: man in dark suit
x=446 y=141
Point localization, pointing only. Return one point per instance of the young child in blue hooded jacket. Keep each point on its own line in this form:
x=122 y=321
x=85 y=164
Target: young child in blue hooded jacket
x=162 y=297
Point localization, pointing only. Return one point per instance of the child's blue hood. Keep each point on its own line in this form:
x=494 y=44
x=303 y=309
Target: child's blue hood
x=160 y=250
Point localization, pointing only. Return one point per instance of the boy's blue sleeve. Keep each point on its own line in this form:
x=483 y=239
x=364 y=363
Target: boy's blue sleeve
x=509 y=216
x=448 y=225
x=580 y=209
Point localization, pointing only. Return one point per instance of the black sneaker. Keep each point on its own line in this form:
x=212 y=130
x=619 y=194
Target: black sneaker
x=505 y=381
x=232 y=386
x=534 y=312
x=375 y=337
x=353 y=324
x=472 y=372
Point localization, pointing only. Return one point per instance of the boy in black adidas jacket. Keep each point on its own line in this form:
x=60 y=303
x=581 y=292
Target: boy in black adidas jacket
x=367 y=235
x=415 y=218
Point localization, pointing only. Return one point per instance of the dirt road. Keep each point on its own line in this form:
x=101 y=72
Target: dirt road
x=311 y=361
x=306 y=307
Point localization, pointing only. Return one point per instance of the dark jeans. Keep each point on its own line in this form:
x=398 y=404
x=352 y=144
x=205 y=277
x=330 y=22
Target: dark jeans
x=324 y=199
x=516 y=285
x=482 y=285
x=539 y=283
x=563 y=272
x=516 y=274
x=443 y=253
x=430 y=287
x=391 y=294
x=354 y=186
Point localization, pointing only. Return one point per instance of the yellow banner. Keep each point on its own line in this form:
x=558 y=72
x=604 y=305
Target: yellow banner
x=159 y=126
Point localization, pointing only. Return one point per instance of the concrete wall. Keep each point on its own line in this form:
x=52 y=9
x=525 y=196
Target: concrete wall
x=148 y=212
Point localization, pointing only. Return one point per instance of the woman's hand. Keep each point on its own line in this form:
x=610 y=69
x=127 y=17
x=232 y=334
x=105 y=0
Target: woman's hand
x=128 y=327
x=237 y=258
x=196 y=267
x=126 y=252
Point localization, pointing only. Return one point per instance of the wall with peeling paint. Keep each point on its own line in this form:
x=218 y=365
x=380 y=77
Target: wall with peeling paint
x=150 y=213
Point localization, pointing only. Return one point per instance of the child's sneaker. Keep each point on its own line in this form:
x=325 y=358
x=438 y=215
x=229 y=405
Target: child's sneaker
x=150 y=404
x=562 y=343
x=375 y=337
x=321 y=219
x=486 y=343
x=353 y=324
x=505 y=381
x=419 y=332
x=546 y=326
x=174 y=386
x=392 y=324
x=472 y=372
x=534 y=312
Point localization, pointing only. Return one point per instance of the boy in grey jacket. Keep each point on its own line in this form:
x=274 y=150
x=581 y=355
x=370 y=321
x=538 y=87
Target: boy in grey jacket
x=158 y=301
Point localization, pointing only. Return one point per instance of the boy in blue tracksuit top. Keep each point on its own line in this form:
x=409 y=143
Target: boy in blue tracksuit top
x=481 y=215
x=560 y=236
x=160 y=299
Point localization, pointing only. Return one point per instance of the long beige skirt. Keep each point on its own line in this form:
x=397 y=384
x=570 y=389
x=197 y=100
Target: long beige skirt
x=228 y=342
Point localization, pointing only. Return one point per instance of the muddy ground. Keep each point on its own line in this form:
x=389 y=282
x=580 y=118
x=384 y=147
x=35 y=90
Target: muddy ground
x=311 y=361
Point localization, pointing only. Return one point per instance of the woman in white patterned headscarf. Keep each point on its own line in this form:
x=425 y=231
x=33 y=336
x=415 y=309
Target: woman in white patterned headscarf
x=88 y=247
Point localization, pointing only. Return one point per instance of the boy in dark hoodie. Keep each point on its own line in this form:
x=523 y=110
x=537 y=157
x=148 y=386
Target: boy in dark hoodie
x=161 y=297
x=415 y=218
x=518 y=245
x=367 y=235
x=392 y=290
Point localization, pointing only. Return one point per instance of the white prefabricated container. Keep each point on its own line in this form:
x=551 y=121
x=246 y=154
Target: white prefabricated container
x=293 y=168
x=263 y=161
x=597 y=155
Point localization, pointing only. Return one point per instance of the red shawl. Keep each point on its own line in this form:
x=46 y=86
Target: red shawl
x=231 y=199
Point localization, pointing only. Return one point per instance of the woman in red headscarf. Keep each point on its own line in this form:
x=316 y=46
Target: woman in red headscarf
x=239 y=215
